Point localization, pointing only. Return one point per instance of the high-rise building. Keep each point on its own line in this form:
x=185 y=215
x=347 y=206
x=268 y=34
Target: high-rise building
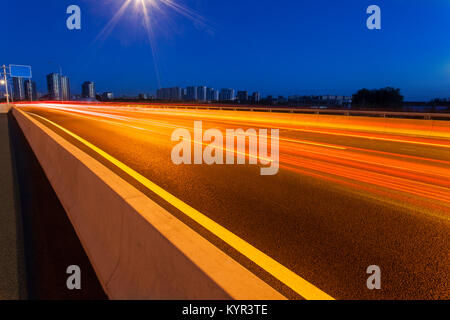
x=256 y=97
x=30 y=90
x=227 y=95
x=212 y=94
x=173 y=94
x=18 y=89
x=54 y=86
x=201 y=94
x=191 y=93
x=65 y=88
x=242 y=96
x=88 y=90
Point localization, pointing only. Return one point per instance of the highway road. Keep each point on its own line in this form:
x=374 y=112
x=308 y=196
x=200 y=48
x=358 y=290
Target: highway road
x=342 y=200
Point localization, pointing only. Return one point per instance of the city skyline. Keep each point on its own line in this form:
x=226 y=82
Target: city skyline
x=58 y=88
x=23 y=94
x=22 y=91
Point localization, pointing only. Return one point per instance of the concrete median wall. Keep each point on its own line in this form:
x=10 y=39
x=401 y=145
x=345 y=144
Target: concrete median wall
x=4 y=108
x=138 y=249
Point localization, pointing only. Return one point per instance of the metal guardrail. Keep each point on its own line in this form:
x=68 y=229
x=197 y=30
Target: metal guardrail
x=382 y=114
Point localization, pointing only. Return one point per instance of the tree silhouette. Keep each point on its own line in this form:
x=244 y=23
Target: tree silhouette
x=376 y=98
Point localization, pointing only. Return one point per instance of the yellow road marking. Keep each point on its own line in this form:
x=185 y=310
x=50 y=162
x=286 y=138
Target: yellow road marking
x=280 y=272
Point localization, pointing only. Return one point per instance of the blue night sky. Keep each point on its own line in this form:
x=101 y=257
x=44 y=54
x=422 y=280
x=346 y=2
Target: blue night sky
x=278 y=47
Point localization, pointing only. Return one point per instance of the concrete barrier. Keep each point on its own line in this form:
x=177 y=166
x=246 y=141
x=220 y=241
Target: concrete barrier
x=4 y=108
x=138 y=249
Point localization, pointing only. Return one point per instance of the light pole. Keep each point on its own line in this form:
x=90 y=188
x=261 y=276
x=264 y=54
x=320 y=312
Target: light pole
x=2 y=82
x=6 y=84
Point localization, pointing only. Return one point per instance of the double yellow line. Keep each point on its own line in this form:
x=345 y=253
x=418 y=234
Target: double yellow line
x=277 y=270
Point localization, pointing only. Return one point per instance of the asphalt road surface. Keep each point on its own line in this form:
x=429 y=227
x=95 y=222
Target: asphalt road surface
x=342 y=200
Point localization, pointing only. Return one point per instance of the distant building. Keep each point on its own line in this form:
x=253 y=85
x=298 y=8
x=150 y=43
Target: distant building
x=325 y=100
x=281 y=100
x=65 y=88
x=227 y=95
x=173 y=94
x=88 y=90
x=332 y=100
x=294 y=99
x=160 y=94
x=107 y=96
x=212 y=94
x=201 y=94
x=329 y=99
x=18 y=89
x=256 y=97
x=242 y=96
x=191 y=94
x=30 y=90
x=345 y=101
x=348 y=101
x=54 y=86
x=143 y=96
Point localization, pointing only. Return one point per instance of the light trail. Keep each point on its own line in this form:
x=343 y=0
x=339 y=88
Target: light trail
x=402 y=135
x=422 y=177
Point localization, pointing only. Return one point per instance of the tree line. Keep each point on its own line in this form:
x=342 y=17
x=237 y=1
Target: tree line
x=378 y=98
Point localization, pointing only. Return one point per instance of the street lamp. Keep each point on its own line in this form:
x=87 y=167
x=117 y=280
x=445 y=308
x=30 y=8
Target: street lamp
x=4 y=82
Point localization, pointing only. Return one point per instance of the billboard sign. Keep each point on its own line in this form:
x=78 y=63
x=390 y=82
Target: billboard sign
x=20 y=71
